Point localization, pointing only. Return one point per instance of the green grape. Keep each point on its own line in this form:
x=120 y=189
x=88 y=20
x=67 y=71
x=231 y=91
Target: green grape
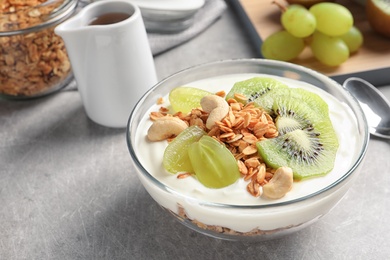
x=282 y=46
x=214 y=165
x=332 y=19
x=298 y=21
x=331 y=51
x=175 y=157
x=353 y=38
x=184 y=99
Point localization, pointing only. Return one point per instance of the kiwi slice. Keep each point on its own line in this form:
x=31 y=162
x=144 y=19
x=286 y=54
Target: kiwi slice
x=307 y=142
x=296 y=108
x=263 y=91
x=258 y=88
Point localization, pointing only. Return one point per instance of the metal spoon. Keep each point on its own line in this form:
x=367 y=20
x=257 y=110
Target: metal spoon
x=374 y=104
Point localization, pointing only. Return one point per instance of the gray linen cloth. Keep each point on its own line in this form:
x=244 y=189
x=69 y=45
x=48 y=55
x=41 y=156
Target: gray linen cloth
x=209 y=13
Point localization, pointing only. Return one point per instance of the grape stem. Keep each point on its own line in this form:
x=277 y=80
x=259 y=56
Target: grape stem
x=281 y=7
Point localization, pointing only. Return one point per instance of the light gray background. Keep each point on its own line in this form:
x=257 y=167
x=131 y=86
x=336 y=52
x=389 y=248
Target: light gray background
x=68 y=188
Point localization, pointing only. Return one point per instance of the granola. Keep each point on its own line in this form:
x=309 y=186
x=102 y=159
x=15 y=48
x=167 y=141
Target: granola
x=182 y=214
x=30 y=62
x=239 y=130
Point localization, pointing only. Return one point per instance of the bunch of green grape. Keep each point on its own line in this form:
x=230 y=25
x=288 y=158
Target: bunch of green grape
x=327 y=28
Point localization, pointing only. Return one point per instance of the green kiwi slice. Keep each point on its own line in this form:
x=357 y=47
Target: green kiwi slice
x=264 y=90
x=296 y=108
x=257 y=88
x=307 y=142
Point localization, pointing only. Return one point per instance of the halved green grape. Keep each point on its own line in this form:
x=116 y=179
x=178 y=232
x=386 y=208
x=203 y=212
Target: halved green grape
x=282 y=46
x=331 y=51
x=175 y=157
x=184 y=99
x=353 y=38
x=214 y=165
x=298 y=21
x=332 y=19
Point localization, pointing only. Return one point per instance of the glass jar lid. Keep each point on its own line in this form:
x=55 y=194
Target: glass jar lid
x=33 y=15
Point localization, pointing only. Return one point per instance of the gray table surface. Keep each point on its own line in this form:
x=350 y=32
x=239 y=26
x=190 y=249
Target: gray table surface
x=68 y=188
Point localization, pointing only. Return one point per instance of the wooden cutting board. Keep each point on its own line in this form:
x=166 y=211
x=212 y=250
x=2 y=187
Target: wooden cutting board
x=371 y=62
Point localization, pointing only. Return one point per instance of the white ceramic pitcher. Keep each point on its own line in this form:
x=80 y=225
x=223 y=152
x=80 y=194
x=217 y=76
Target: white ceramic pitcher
x=112 y=63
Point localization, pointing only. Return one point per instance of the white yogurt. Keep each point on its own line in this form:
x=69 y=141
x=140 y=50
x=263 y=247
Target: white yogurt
x=150 y=155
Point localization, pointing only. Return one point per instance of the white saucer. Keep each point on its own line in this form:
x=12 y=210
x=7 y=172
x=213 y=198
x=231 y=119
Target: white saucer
x=168 y=16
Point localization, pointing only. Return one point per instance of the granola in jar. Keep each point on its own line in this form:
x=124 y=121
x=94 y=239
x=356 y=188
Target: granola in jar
x=33 y=59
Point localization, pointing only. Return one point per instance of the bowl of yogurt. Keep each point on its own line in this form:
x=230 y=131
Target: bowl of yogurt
x=231 y=212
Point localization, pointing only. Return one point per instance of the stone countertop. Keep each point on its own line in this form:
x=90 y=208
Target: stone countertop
x=68 y=188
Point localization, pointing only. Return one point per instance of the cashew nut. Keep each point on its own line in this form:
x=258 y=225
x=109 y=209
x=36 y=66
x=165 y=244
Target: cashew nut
x=216 y=106
x=280 y=184
x=166 y=127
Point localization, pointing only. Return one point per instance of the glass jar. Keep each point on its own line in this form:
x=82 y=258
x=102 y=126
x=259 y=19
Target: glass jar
x=33 y=59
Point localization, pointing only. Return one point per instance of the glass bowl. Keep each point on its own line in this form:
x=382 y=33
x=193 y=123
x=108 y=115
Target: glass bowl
x=33 y=60
x=227 y=216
